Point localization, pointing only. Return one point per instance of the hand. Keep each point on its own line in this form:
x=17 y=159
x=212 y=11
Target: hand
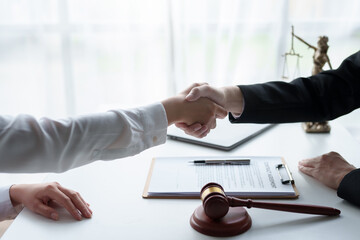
x=203 y=111
x=230 y=98
x=37 y=197
x=330 y=168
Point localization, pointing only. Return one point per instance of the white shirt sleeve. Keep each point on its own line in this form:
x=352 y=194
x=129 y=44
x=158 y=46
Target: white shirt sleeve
x=237 y=115
x=7 y=211
x=29 y=145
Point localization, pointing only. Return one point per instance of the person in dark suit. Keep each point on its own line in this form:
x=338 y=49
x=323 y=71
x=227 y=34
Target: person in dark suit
x=318 y=98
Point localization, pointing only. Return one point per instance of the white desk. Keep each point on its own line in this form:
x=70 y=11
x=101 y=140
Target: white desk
x=114 y=191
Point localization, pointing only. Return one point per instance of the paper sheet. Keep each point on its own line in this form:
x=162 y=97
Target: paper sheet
x=175 y=176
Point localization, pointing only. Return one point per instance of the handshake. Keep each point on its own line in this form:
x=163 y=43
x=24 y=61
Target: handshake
x=196 y=109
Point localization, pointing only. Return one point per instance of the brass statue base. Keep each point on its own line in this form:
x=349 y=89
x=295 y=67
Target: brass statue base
x=316 y=127
x=320 y=58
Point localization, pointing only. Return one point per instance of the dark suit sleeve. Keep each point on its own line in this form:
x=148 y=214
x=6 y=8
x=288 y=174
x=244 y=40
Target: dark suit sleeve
x=349 y=188
x=322 y=97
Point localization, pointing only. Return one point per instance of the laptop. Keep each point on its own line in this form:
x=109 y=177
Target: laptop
x=226 y=136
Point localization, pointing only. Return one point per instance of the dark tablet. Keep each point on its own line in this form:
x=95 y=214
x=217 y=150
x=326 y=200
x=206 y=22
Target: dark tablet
x=225 y=136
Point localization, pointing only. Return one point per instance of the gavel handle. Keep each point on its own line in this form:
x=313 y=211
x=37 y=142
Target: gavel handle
x=298 y=208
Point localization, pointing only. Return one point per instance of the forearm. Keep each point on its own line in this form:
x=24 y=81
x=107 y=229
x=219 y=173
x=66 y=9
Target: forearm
x=28 y=145
x=173 y=108
x=276 y=102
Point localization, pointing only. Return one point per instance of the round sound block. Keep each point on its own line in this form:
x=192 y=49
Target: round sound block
x=236 y=221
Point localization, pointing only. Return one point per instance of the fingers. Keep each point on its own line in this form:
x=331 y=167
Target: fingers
x=195 y=130
x=67 y=203
x=188 y=89
x=307 y=170
x=204 y=109
x=46 y=211
x=310 y=166
x=77 y=201
x=72 y=202
x=209 y=121
x=311 y=162
x=216 y=95
x=193 y=95
x=190 y=128
x=199 y=91
x=220 y=112
x=203 y=132
x=69 y=199
x=37 y=196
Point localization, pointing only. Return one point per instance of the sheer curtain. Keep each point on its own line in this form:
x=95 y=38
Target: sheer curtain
x=240 y=42
x=226 y=42
x=61 y=58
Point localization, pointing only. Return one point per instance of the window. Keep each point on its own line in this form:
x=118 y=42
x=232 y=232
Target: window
x=60 y=57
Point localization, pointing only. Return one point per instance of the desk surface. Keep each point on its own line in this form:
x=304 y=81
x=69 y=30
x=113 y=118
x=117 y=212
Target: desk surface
x=114 y=191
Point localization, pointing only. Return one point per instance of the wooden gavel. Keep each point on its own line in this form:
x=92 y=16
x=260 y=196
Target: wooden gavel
x=216 y=204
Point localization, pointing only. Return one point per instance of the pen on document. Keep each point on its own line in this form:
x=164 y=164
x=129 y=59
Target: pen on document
x=223 y=162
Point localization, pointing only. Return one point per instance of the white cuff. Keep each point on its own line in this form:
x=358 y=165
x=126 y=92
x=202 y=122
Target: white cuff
x=7 y=210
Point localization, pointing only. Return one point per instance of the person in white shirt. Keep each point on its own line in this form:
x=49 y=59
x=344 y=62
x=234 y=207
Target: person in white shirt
x=45 y=145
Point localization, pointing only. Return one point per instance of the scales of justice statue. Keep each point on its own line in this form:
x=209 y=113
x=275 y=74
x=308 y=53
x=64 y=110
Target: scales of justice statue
x=320 y=58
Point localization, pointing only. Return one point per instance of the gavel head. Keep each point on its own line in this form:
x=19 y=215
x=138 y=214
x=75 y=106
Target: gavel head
x=215 y=202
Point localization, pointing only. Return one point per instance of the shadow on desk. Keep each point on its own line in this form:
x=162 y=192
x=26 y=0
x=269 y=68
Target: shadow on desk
x=4 y=225
x=306 y=220
x=64 y=216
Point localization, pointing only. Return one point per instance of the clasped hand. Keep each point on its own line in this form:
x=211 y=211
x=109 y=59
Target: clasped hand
x=229 y=99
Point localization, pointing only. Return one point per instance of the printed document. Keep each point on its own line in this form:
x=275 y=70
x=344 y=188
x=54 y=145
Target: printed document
x=178 y=177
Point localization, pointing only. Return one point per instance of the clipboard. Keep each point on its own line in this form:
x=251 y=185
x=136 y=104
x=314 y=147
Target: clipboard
x=175 y=177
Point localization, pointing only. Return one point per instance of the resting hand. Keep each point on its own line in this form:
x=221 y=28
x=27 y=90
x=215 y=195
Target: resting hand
x=230 y=98
x=37 y=197
x=330 y=168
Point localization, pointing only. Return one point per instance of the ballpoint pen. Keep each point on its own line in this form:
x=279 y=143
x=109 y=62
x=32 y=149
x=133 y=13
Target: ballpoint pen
x=244 y=161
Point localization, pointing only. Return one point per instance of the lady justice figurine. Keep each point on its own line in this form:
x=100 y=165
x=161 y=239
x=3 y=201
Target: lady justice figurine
x=320 y=58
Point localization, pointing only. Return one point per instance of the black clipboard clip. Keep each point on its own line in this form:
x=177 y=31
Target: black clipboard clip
x=288 y=178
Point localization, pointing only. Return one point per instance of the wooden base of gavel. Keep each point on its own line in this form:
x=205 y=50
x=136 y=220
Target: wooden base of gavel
x=215 y=217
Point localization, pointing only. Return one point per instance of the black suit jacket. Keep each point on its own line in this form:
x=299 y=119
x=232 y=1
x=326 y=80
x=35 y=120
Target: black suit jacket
x=322 y=97
x=325 y=96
